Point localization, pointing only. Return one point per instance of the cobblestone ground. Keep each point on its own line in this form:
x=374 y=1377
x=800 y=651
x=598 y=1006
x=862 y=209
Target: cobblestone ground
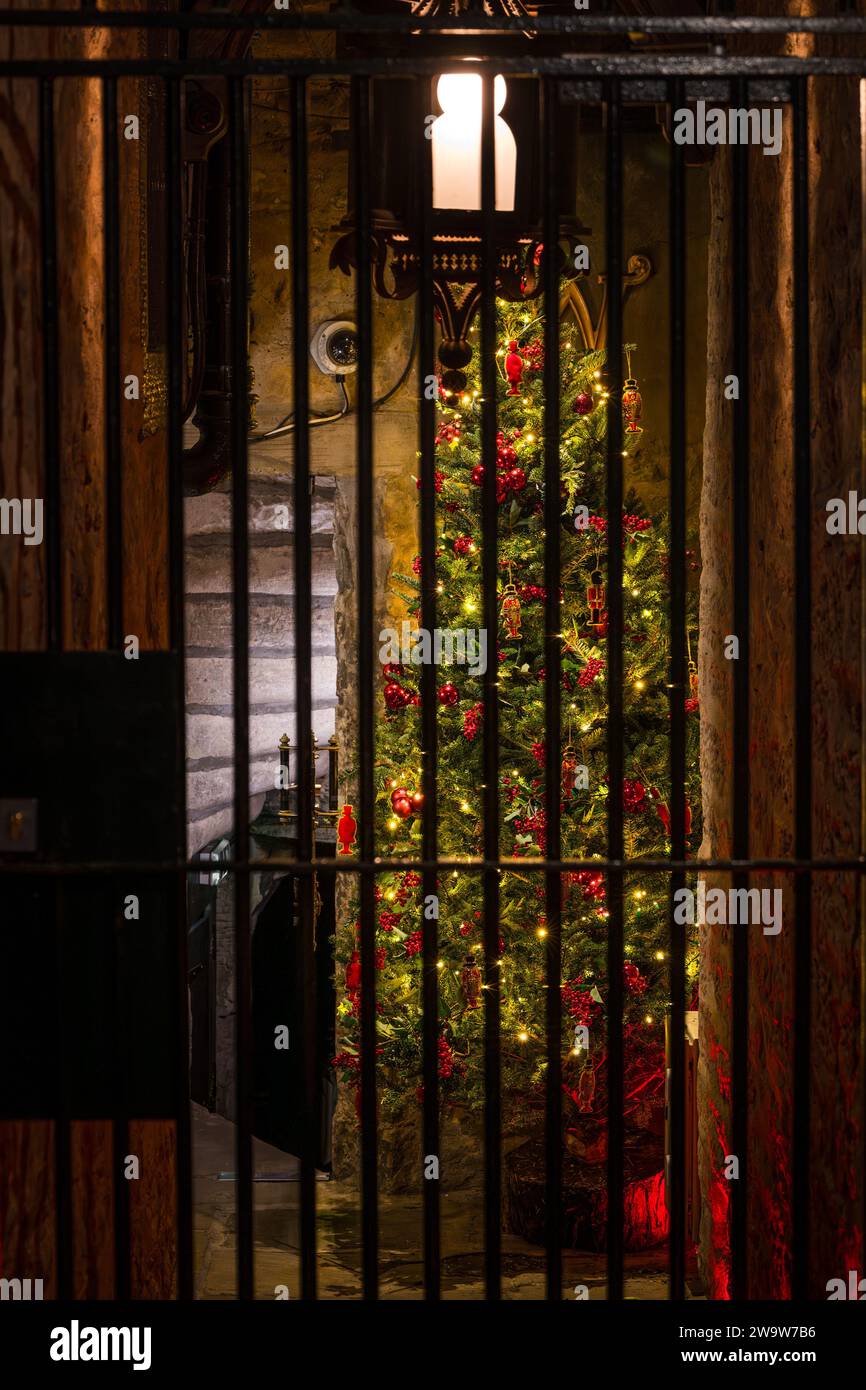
x=401 y=1268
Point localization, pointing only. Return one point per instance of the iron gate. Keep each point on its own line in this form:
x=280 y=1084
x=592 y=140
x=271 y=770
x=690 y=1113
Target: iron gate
x=613 y=79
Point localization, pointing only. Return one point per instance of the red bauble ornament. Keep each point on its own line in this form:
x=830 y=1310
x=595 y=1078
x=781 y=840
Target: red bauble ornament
x=448 y=694
x=633 y=796
x=399 y=794
x=513 y=369
x=402 y=807
x=477 y=474
x=395 y=696
x=516 y=479
x=464 y=545
x=583 y=403
x=417 y=801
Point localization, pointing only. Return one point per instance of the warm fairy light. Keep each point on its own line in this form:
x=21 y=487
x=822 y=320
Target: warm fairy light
x=465 y=400
x=393 y=823
x=585 y=728
x=541 y=933
x=390 y=895
x=469 y=605
x=530 y=438
x=464 y=806
x=523 y=1037
x=440 y=588
x=526 y=400
x=597 y=375
x=440 y=965
x=635 y=593
x=648 y=1019
x=640 y=685
x=646 y=613
x=660 y=955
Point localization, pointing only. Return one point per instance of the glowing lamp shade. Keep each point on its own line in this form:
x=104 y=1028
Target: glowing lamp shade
x=457 y=145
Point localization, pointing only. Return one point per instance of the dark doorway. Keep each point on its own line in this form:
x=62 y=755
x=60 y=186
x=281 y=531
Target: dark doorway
x=277 y=984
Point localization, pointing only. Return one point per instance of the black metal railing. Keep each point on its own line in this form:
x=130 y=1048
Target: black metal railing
x=614 y=71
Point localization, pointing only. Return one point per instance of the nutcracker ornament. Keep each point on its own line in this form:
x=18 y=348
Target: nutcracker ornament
x=353 y=975
x=511 y=610
x=569 y=771
x=586 y=1089
x=632 y=404
x=513 y=369
x=470 y=982
x=346 y=827
x=596 y=597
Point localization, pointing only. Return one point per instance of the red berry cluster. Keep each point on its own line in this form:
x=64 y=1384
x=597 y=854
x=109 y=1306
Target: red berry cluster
x=579 y=1002
x=533 y=355
x=414 y=943
x=633 y=796
x=592 y=883
x=635 y=982
x=471 y=720
x=448 y=432
x=464 y=545
x=446 y=1058
x=591 y=671
x=438 y=480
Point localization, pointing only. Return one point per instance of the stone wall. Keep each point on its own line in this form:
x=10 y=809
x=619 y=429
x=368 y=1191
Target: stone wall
x=209 y=662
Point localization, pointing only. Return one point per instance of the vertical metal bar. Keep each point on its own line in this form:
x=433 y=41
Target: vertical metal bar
x=239 y=229
x=615 y=958
x=54 y=623
x=113 y=454
x=741 y=780
x=677 y=692
x=304 y=680
x=50 y=369
x=120 y=1120
x=430 y=928
x=490 y=753
x=176 y=370
x=552 y=700
x=114 y=611
x=366 y=732
x=62 y=1127
x=803 y=694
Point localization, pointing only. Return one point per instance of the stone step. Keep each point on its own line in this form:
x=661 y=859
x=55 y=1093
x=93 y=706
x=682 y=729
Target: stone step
x=272 y=679
x=272 y=623
x=211 y=735
x=271 y=566
x=271 y=510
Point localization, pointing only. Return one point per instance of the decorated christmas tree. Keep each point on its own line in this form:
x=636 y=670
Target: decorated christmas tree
x=518 y=649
